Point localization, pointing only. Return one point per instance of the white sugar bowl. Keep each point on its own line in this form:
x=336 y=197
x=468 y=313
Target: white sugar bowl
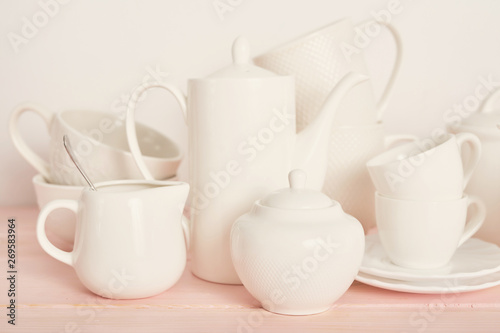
x=296 y=251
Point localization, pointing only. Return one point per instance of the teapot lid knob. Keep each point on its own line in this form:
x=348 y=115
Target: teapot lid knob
x=241 y=51
x=297 y=179
x=242 y=66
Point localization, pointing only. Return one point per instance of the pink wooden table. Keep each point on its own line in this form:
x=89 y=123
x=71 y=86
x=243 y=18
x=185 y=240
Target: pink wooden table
x=51 y=299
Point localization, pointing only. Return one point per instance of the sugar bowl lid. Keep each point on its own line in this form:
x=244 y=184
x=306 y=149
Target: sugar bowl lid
x=297 y=196
x=242 y=66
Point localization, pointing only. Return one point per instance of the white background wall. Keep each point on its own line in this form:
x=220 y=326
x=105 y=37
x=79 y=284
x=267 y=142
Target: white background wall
x=91 y=53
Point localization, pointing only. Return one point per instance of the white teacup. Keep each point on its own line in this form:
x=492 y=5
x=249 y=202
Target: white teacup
x=129 y=239
x=426 y=234
x=100 y=140
x=429 y=169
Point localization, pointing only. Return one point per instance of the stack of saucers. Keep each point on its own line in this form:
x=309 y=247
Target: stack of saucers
x=474 y=266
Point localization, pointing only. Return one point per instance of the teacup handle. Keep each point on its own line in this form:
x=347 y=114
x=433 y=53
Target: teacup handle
x=394 y=140
x=47 y=246
x=475 y=153
x=130 y=123
x=476 y=220
x=386 y=94
x=486 y=107
x=36 y=161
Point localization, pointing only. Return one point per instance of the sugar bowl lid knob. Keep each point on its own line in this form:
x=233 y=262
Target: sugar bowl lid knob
x=241 y=51
x=297 y=196
x=297 y=179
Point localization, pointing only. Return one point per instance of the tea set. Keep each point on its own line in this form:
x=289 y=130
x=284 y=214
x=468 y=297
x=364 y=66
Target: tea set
x=290 y=170
x=232 y=166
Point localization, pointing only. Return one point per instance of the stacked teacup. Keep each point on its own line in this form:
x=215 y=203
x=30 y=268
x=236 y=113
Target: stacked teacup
x=100 y=142
x=422 y=213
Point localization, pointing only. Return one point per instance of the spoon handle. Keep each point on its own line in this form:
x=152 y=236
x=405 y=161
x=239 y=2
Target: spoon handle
x=69 y=149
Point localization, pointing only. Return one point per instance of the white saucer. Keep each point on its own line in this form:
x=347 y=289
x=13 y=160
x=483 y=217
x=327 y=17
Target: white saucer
x=475 y=258
x=432 y=287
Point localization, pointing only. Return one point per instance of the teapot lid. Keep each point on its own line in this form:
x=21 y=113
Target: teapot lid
x=242 y=66
x=296 y=196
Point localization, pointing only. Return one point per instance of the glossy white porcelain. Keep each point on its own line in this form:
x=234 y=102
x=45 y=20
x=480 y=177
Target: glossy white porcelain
x=474 y=258
x=441 y=287
x=296 y=251
x=242 y=144
x=129 y=239
x=429 y=169
x=100 y=142
x=425 y=234
x=318 y=60
x=60 y=225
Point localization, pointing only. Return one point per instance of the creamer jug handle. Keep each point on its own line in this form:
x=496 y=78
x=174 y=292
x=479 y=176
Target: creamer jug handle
x=386 y=94
x=130 y=123
x=45 y=243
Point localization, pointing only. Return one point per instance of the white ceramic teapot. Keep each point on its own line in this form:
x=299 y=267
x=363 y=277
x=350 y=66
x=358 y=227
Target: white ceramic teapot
x=296 y=251
x=242 y=143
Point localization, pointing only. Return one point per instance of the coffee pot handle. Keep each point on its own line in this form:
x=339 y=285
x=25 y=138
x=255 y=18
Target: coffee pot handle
x=474 y=153
x=47 y=246
x=36 y=161
x=130 y=123
x=386 y=94
x=476 y=220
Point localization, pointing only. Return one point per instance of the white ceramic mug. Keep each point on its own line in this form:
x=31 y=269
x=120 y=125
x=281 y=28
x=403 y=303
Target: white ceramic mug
x=100 y=140
x=129 y=239
x=318 y=60
x=429 y=169
x=426 y=234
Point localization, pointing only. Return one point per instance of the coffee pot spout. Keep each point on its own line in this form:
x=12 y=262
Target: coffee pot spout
x=311 y=149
